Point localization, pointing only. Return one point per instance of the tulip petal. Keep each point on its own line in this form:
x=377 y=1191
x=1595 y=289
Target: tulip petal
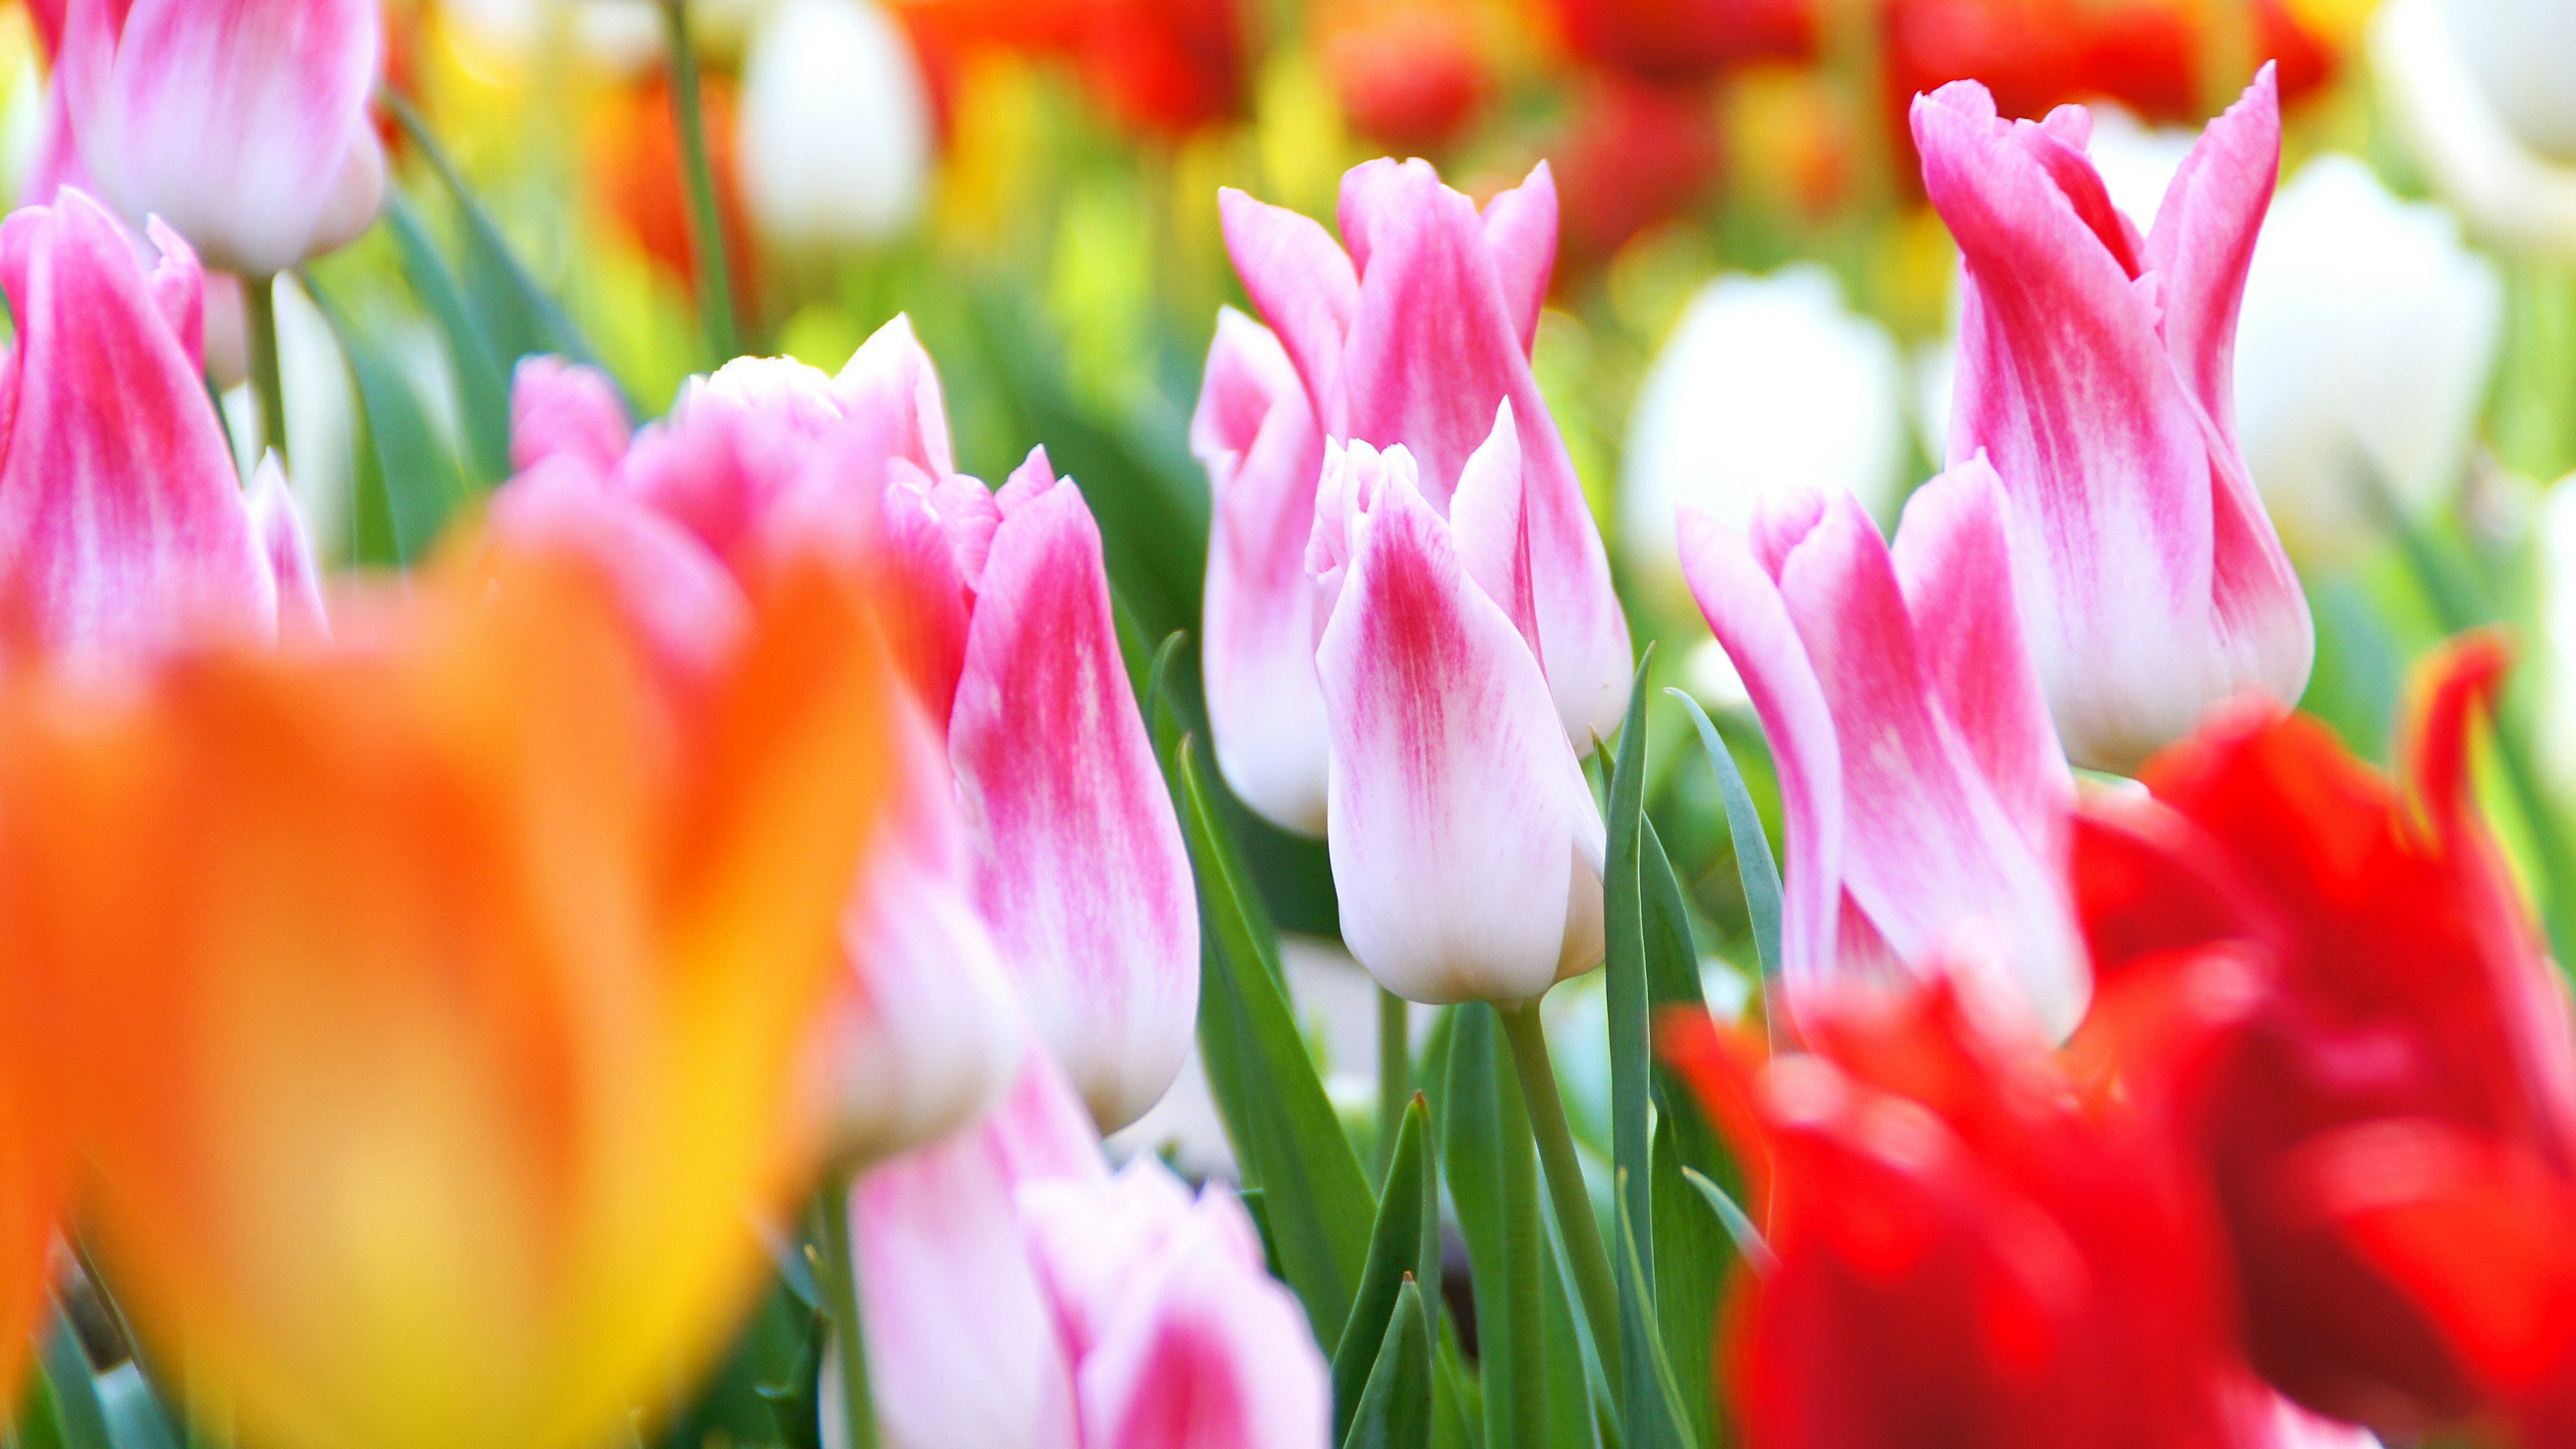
x=279 y=526
x=561 y=410
x=121 y=515
x=1081 y=869
x=1256 y=434
x=1489 y=520
x=1520 y=228
x=2203 y=241
x=1931 y=854
x=892 y=373
x=1454 y=794
x=1956 y=571
x=1304 y=287
x=1741 y=600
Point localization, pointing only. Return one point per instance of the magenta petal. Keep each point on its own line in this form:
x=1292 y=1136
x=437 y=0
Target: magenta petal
x=2203 y=242
x=121 y=516
x=1081 y=870
x=560 y=410
x=1743 y=606
x=1929 y=852
x=1457 y=806
x=1956 y=572
x=278 y=524
x=1520 y=228
x=892 y=375
x=1303 y=286
x=926 y=603
x=1256 y=434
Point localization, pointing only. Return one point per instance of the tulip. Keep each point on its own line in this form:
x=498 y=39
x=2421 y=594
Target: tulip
x=1017 y=1295
x=1963 y=1250
x=1256 y=434
x=836 y=129
x=998 y=611
x=242 y=123
x=2368 y=336
x=1411 y=338
x=444 y=999
x=2475 y=90
x=1687 y=40
x=1411 y=76
x=1466 y=846
x=2406 y=982
x=1925 y=793
x=122 y=520
x=1767 y=384
x=2094 y=372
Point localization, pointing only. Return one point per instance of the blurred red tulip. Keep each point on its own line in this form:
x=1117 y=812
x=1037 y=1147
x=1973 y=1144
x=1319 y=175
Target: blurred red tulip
x=1686 y=40
x=1163 y=66
x=1967 y=1250
x=1410 y=76
x=1638 y=156
x=2402 y=980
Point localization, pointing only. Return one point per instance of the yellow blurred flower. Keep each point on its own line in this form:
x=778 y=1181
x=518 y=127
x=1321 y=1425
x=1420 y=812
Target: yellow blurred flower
x=441 y=995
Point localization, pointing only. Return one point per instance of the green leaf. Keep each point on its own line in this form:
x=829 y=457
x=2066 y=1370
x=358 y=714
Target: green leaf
x=1692 y=1256
x=1753 y=861
x=482 y=383
x=1731 y=1216
x=1667 y=1399
x=1632 y=1056
x=415 y=478
x=1493 y=1183
x=1403 y=1250
x=1575 y=1418
x=1285 y=1134
x=1394 y=1410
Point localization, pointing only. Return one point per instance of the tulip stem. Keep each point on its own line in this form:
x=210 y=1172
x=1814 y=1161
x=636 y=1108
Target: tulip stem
x=259 y=304
x=706 y=220
x=841 y=1301
x=1584 y=1250
x=1394 y=1073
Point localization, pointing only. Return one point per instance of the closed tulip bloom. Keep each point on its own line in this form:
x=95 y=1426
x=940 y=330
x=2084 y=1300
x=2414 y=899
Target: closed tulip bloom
x=446 y=998
x=1466 y=846
x=1018 y=1295
x=2477 y=90
x=1411 y=338
x=122 y=518
x=2095 y=372
x=836 y=127
x=1256 y=434
x=1967 y=1251
x=1926 y=797
x=242 y=123
x=2405 y=981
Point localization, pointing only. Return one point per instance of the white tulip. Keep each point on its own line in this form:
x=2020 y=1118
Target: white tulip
x=836 y=125
x=2367 y=338
x=2487 y=149
x=1767 y=383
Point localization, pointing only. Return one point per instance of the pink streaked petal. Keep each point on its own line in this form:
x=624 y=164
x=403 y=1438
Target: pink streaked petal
x=1452 y=824
x=1303 y=286
x=2203 y=242
x=1042 y=1130
x=1956 y=571
x=48 y=15
x=1489 y=519
x=892 y=373
x=57 y=162
x=178 y=286
x=1255 y=433
x=278 y=524
x=1081 y=870
x=1741 y=600
x=561 y=410
x=962 y=1344
x=1929 y=852
x=1094 y=1240
x=2063 y=382
x=925 y=603
x=121 y=515
x=1206 y=1353
x=2066 y=164
x=1520 y=229
x=1033 y=479
x=968 y=514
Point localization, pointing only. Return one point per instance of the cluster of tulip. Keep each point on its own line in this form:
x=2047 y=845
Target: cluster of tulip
x=425 y=1000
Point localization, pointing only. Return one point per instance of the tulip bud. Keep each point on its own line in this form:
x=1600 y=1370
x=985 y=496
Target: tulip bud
x=836 y=130
x=2095 y=374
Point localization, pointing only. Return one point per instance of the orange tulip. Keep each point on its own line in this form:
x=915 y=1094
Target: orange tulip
x=442 y=996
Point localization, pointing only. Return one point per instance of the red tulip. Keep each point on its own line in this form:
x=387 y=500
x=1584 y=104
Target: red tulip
x=2401 y=981
x=1686 y=40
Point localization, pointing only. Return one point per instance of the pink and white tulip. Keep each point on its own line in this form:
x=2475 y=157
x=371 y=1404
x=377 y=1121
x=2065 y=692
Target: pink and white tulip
x=1413 y=337
x=1925 y=793
x=242 y=123
x=1049 y=845
x=1018 y=1295
x=1466 y=846
x=122 y=518
x=2096 y=371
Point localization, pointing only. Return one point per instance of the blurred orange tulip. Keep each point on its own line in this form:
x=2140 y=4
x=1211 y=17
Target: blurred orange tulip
x=443 y=996
x=1411 y=74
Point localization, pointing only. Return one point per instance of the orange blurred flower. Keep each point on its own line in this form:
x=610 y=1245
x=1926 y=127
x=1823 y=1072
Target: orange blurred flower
x=1163 y=66
x=1411 y=74
x=442 y=996
x=635 y=162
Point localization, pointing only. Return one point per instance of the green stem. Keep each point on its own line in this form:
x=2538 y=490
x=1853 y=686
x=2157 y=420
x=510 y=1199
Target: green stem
x=259 y=298
x=1574 y=1218
x=706 y=222
x=841 y=1301
x=1394 y=1073
x=1522 y=1423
